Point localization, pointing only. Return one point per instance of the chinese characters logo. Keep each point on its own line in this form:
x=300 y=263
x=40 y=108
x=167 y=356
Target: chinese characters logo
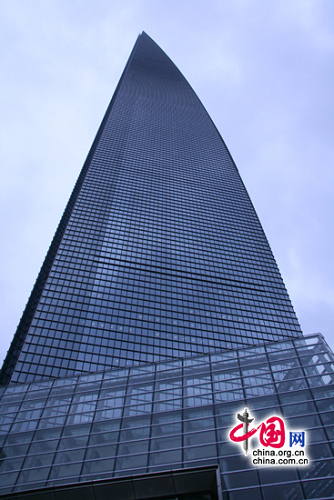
x=272 y=432
x=271 y=435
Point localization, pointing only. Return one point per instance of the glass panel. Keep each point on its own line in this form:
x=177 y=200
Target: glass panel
x=31 y=405
x=37 y=394
x=130 y=433
x=286 y=375
x=131 y=462
x=63 y=389
x=198 y=420
x=229 y=396
x=142 y=370
x=279 y=492
x=168 y=389
x=115 y=376
x=199 y=438
x=38 y=460
x=133 y=447
x=85 y=398
x=197 y=399
x=89 y=386
x=111 y=397
x=173 y=457
x=237 y=462
x=15 y=389
x=316 y=435
x=170 y=405
x=253 y=351
x=106 y=427
x=47 y=434
x=257 y=379
x=132 y=411
x=299 y=409
x=321 y=380
x=67 y=470
x=43 y=446
x=323 y=392
x=253 y=360
x=278 y=356
x=293 y=397
x=233 y=372
x=268 y=402
x=33 y=475
x=76 y=430
x=291 y=385
x=7 y=479
x=166 y=424
x=73 y=442
x=277 y=475
x=227 y=385
x=10 y=408
x=327 y=418
x=322 y=450
x=253 y=493
x=14 y=450
x=80 y=418
x=319 y=489
x=59 y=400
x=304 y=422
x=169 y=375
x=69 y=456
x=166 y=443
x=228 y=447
x=11 y=464
x=55 y=411
x=96 y=467
x=51 y=422
x=223 y=357
x=308 y=340
x=108 y=414
x=197 y=361
x=226 y=413
x=99 y=452
x=64 y=382
x=5 y=428
x=170 y=365
x=200 y=452
x=19 y=438
x=241 y=479
x=140 y=398
x=317 y=364
x=319 y=468
x=29 y=414
x=285 y=364
x=38 y=386
x=262 y=390
x=24 y=426
x=92 y=377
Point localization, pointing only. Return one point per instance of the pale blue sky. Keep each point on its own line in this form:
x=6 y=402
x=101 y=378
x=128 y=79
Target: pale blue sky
x=263 y=69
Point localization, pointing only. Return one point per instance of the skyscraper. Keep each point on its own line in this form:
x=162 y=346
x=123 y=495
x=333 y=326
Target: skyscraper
x=158 y=298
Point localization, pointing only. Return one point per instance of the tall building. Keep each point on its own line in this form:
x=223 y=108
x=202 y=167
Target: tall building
x=158 y=314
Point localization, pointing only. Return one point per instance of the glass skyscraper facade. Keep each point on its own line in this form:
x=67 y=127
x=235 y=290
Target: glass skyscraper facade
x=158 y=314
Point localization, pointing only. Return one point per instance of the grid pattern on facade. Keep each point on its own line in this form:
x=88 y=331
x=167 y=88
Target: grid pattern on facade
x=163 y=255
x=173 y=415
x=197 y=483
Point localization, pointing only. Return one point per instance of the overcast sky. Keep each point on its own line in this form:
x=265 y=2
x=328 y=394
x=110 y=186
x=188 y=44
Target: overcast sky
x=264 y=70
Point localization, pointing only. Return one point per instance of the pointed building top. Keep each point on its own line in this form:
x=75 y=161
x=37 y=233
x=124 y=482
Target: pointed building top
x=148 y=57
